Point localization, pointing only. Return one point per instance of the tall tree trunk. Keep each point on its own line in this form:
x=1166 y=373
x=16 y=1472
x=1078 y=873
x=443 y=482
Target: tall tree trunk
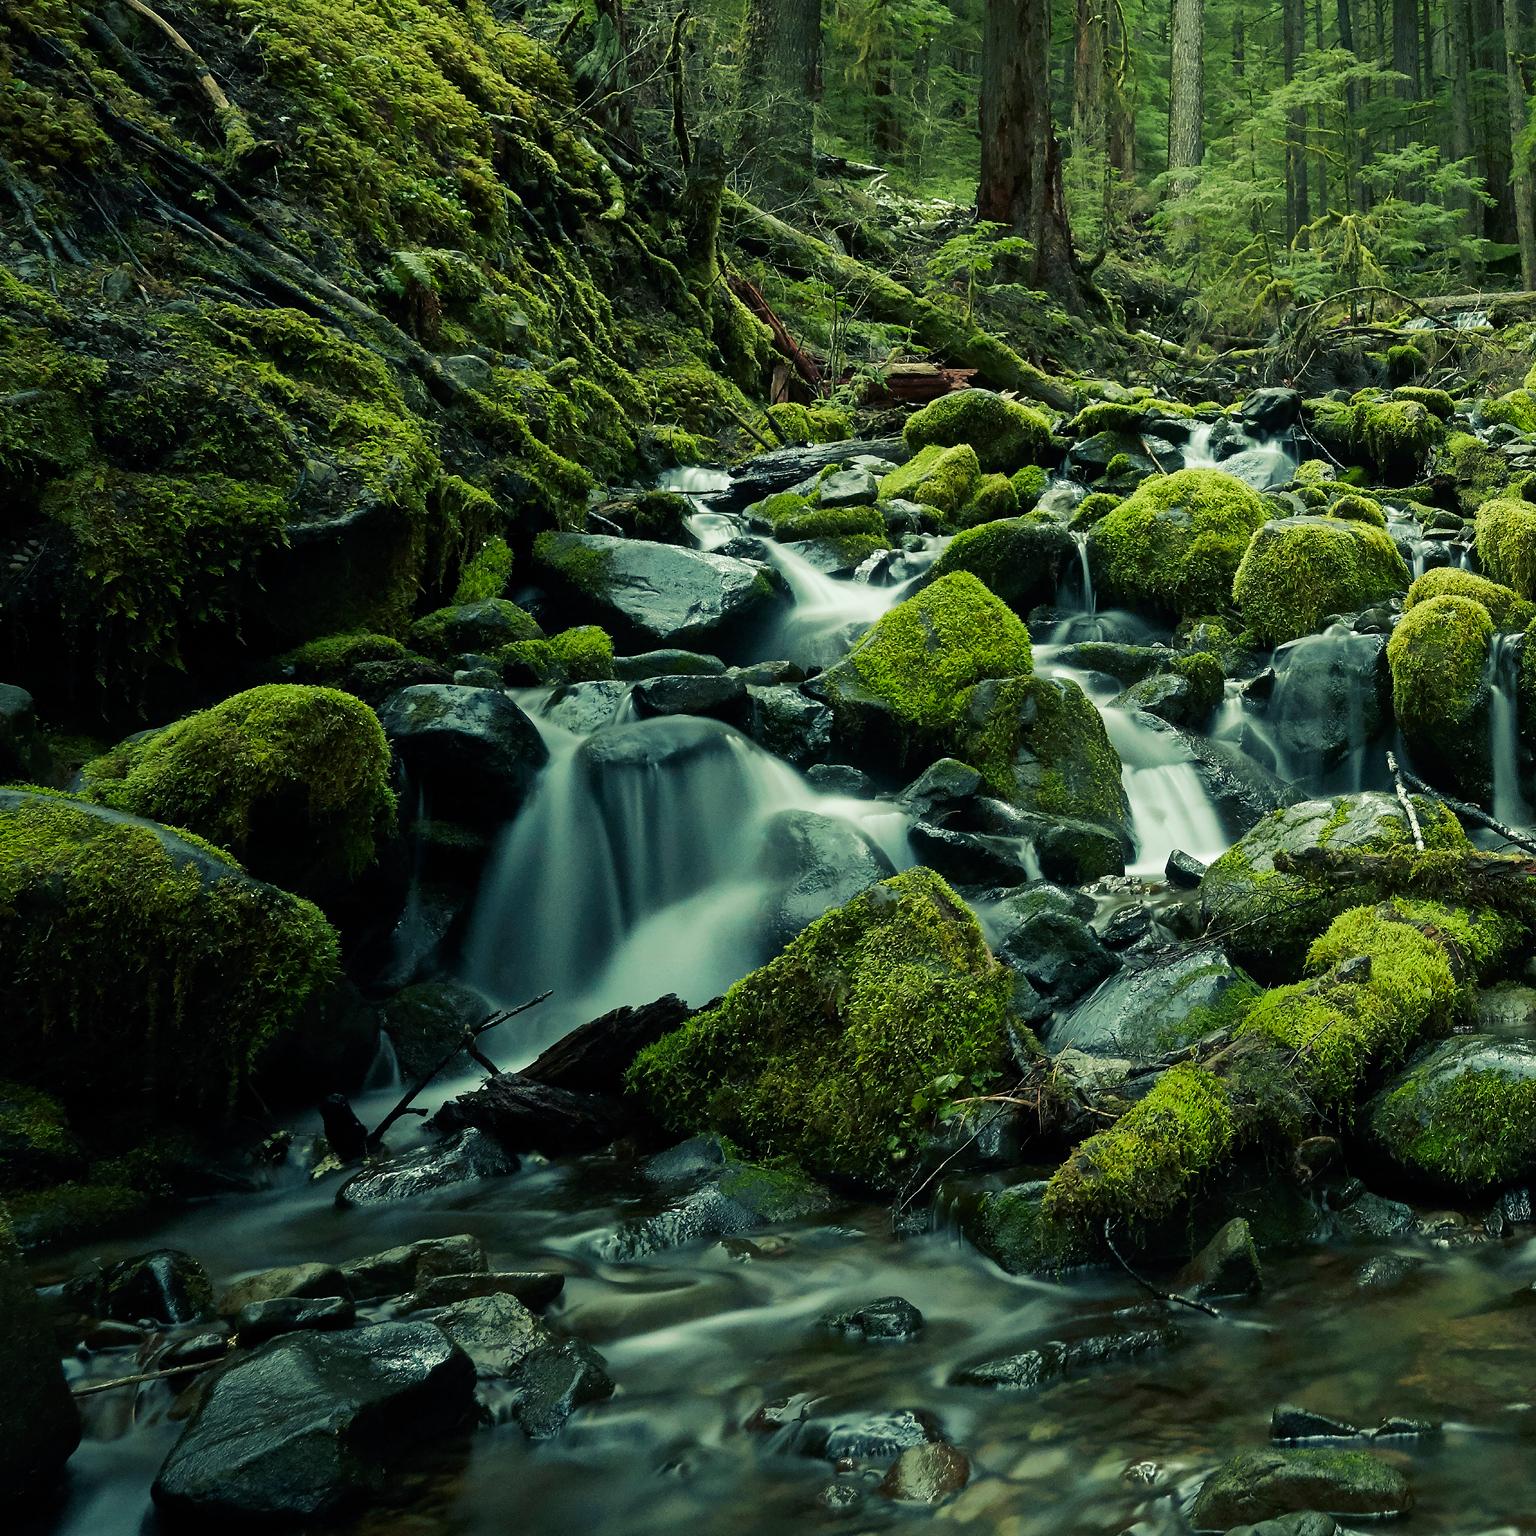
x=1090 y=95
x=1461 y=111
x=1122 y=112
x=1293 y=25
x=1186 y=87
x=1405 y=58
x=1350 y=149
x=1020 y=159
x=775 y=141
x=1520 y=164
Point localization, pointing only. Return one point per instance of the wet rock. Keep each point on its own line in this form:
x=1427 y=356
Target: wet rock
x=891 y=1317
x=1128 y=926
x=874 y=1437
x=1288 y=1422
x=472 y=750
x=535 y=1289
x=789 y=723
x=1058 y=952
x=782 y=468
x=472 y=629
x=1228 y=1265
x=397 y=1270
x=594 y=1057
x=1006 y=1225
x=301 y=1280
x=167 y=1287
x=840 y=779
x=586 y=707
x=537 y=1377
x=307 y=1428
x=1126 y=1335
x=1387 y=1271
x=817 y=862
x=23 y=747
x=973 y=858
x=659 y=593
x=39 y=1425
x=927 y=1474
x=1242 y=790
x=426 y=1022
x=1183 y=870
x=1332 y=695
x=521 y=1115
x=942 y=787
x=197 y=1349
x=263 y=1320
x=1260 y=1485
x=1311 y=1523
x=1268 y=412
x=666 y=663
x=470 y=1156
x=1022 y=561
x=1371 y=1218
x=715 y=698
x=841 y=1498
x=853 y=487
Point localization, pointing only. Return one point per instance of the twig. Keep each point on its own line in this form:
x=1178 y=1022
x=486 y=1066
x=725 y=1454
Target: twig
x=1472 y=813
x=1149 y=1288
x=1405 y=802
x=210 y=87
x=91 y=1388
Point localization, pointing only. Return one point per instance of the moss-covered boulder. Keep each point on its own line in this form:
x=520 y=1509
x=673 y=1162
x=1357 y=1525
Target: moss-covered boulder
x=1394 y=438
x=839 y=1052
x=898 y=691
x=1506 y=543
x=478 y=627
x=1266 y=1485
x=1462 y=1113
x=1265 y=918
x=1021 y=561
x=1438 y=654
x=1174 y=545
x=1006 y=1225
x=1505 y=606
x=580 y=655
x=359 y=662
x=994 y=497
x=937 y=477
x=1299 y=570
x=149 y=968
x=294 y=781
x=1005 y=434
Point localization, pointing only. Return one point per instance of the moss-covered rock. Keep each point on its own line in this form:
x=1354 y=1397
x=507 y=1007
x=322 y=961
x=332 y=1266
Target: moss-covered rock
x=294 y=781
x=37 y=1146
x=1176 y=542
x=1506 y=543
x=1299 y=570
x=1005 y=434
x=1505 y=606
x=1462 y=1113
x=1438 y=654
x=830 y=523
x=1266 y=1485
x=994 y=497
x=937 y=477
x=481 y=627
x=581 y=655
x=1029 y=485
x=1006 y=1225
x=1355 y=508
x=148 y=966
x=1395 y=437
x=804 y=424
x=1021 y=561
x=486 y=572
x=1436 y=401
x=839 y=1052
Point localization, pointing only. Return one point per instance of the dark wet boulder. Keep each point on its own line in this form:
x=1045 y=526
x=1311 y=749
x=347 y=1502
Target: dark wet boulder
x=716 y=698
x=1057 y=951
x=816 y=862
x=927 y=1474
x=1242 y=790
x=655 y=593
x=585 y=707
x=410 y=1266
x=166 y=1287
x=464 y=1159
x=973 y=858
x=534 y=1288
x=428 y=1021
x=1022 y=561
x=851 y=487
x=1311 y=1523
x=1371 y=1218
x=876 y=1437
x=1270 y=411
x=529 y=1372
x=789 y=723
x=1006 y=1225
x=765 y=474
x=39 y=1425
x=666 y=663
x=1462 y=1113
x=522 y=1115
x=1331 y=695
x=1145 y=1012
x=471 y=750
x=23 y=747
x=263 y=1320
x=1260 y=1485
x=594 y=1057
x=1088 y=1344
x=309 y=1428
x=1228 y=1265
x=288 y=1280
x=1183 y=870
x=941 y=788
x=891 y=1317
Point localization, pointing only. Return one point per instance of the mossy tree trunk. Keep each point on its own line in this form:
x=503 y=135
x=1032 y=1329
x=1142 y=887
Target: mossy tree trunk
x=776 y=134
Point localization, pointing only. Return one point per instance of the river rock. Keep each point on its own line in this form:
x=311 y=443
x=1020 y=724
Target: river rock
x=1259 y=1485
x=522 y=1115
x=891 y=1317
x=1332 y=694
x=23 y=747
x=789 y=723
x=538 y=1377
x=657 y=593
x=973 y=858
x=467 y=1158
x=1057 y=951
x=1228 y=1265
x=1021 y=560
x=166 y=1287
x=927 y=1474
x=39 y=1425
x=397 y=1270
x=472 y=750
x=427 y=1022
x=1311 y=1523
x=666 y=663
x=476 y=628
x=1141 y=1014
x=782 y=468
x=582 y=708
x=594 y=1057
x=263 y=1320
x=852 y=487
x=940 y=789
x=1462 y=1113
x=300 y=1280
x=1270 y=411
x=1088 y=1344
x=307 y=1428
x=817 y=862
x=534 y=1288
x=716 y=698
x=872 y=1437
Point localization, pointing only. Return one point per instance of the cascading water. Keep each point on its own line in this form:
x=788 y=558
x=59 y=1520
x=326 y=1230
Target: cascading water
x=1268 y=463
x=1327 y=708
x=1503 y=680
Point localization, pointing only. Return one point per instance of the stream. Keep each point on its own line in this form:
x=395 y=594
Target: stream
x=638 y=868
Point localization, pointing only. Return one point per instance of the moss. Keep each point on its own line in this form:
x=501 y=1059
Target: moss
x=783 y=504
x=1094 y=508
x=1207 y=681
x=1506 y=608
x=938 y=477
x=1506 y=543
x=1018 y=559
x=1353 y=507
x=37 y=1146
x=581 y=655
x=1299 y=570
x=1029 y=486
x=840 y=1052
x=473 y=627
x=994 y=497
x=1394 y=436
x=148 y=968
x=325 y=659
x=1436 y=401
x=574 y=562
x=801 y=424
x=1517 y=409
x=486 y=573
x=293 y=780
x=1438 y=654
x=830 y=523
x=1404 y=361
x=1123 y=416
x=1481 y=472
x=1175 y=543
x=1004 y=434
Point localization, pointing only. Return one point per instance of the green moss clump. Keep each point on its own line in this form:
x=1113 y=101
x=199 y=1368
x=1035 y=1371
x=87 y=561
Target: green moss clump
x=328 y=658
x=1403 y=362
x=993 y=498
x=1481 y=471
x=839 y=1052
x=293 y=780
x=830 y=523
x=1506 y=607
x=1394 y=436
x=1439 y=657
x=1029 y=486
x=1202 y=670
x=1094 y=508
x=149 y=969
x=473 y=627
x=1436 y=401
x=1517 y=409
x=803 y=424
x=937 y=477
x=1506 y=543
x=1354 y=507
x=1004 y=434
x=773 y=509
x=486 y=573
x=1175 y=542
x=1298 y=570
x=580 y=655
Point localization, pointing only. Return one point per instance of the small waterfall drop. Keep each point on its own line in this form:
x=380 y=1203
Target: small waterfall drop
x=1509 y=802
x=1268 y=463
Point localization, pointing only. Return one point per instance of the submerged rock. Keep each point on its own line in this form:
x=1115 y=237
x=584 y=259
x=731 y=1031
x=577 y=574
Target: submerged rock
x=927 y=1474
x=1091 y=1343
x=891 y=1317
x=308 y=1428
x=1228 y=1265
x=466 y=1158
x=1259 y=1485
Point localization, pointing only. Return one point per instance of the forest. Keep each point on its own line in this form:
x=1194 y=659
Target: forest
x=767 y=765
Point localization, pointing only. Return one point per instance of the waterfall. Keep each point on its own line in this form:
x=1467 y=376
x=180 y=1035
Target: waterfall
x=1268 y=463
x=1503 y=680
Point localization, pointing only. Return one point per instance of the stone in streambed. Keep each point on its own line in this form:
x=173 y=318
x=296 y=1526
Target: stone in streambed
x=1228 y=1265
x=1086 y=1345
x=891 y=1317
x=1311 y=1523
x=165 y=1287
x=465 y=1159
x=535 y=1289
x=291 y=1280
x=1260 y=1485
x=816 y=862
x=927 y=1474
x=521 y=1115
x=715 y=698
x=406 y=1268
x=789 y=723
x=594 y=1057
x=263 y=1320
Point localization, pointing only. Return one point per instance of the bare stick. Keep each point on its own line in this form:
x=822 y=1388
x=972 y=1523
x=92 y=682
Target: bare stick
x=1405 y=802
x=91 y=1388
x=210 y=87
x=1473 y=813
x=1152 y=1290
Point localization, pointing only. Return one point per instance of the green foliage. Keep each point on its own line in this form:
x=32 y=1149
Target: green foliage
x=810 y=423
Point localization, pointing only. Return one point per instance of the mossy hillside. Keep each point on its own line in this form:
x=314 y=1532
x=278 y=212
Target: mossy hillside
x=1438 y=654
x=1005 y=435
x=1505 y=606
x=1506 y=543
x=1175 y=543
x=149 y=968
x=839 y=1052
x=1299 y=570
x=292 y=780
x=937 y=477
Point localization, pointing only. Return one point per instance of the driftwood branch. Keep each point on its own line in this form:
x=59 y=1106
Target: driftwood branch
x=1406 y=803
x=1470 y=812
x=1159 y=1295
x=91 y=1388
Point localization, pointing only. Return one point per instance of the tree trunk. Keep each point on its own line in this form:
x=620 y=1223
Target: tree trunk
x=1405 y=58
x=1293 y=24
x=1461 y=112
x=1090 y=97
x=1020 y=182
x=1186 y=87
x=776 y=137
x=1520 y=164
x=1122 y=112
